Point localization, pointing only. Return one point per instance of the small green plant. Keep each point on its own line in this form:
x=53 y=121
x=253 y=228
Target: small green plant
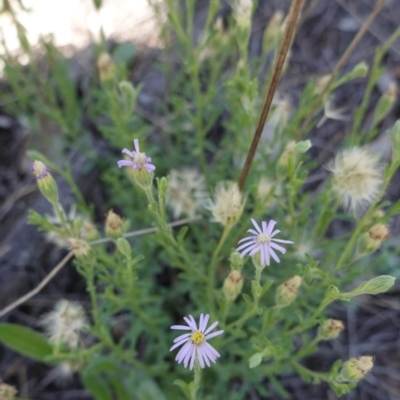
x=214 y=273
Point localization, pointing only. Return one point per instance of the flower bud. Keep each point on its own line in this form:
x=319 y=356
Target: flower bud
x=113 y=225
x=124 y=247
x=89 y=231
x=233 y=285
x=380 y=284
x=385 y=103
x=273 y=30
x=289 y=153
x=236 y=260
x=330 y=329
x=371 y=240
x=287 y=292
x=356 y=368
x=79 y=247
x=106 y=67
x=321 y=82
x=46 y=183
x=360 y=70
x=7 y=392
x=143 y=178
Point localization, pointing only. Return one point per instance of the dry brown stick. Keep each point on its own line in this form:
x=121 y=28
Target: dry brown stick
x=291 y=24
x=62 y=263
x=342 y=61
x=39 y=287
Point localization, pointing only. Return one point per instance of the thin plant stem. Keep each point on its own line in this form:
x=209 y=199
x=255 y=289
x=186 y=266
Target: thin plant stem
x=39 y=287
x=292 y=19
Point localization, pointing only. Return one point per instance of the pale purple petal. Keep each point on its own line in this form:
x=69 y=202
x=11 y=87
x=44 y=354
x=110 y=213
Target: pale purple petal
x=149 y=167
x=264 y=226
x=193 y=357
x=183 y=352
x=182 y=327
x=283 y=241
x=180 y=343
x=194 y=322
x=211 y=335
x=125 y=163
x=211 y=327
x=200 y=357
x=256 y=225
x=271 y=225
x=274 y=256
x=255 y=250
x=244 y=252
x=274 y=233
x=262 y=256
x=211 y=350
x=136 y=143
x=190 y=323
x=243 y=246
x=277 y=247
x=247 y=238
x=203 y=325
x=130 y=153
x=203 y=351
x=184 y=336
x=189 y=355
x=267 y=255
x=253 y=231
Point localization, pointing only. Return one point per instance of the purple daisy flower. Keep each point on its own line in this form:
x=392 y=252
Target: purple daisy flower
x=262 y=242
x=140 y=160
x=195 y=343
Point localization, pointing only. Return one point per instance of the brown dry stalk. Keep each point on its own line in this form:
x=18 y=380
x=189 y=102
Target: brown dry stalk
x=343 y=60
x=39 y=287
x=291 y=24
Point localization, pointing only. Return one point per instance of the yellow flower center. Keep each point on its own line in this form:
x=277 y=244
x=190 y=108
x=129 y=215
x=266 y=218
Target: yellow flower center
x=198 y=338
x=263 y=238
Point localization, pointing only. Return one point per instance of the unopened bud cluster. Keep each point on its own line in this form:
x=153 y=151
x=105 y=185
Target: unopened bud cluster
x=46 y=183
x=330 y=329
x=106 y=67
x=356 y=368
x=79 y=247
x=7 y=392
x=113 y=225
x=287 y=292
x=233 y=285
x=372 y=239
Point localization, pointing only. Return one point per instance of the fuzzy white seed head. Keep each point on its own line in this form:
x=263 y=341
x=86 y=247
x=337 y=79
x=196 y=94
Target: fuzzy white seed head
x=186 y=192
x=64 y=324
x=228 y=203
x=357 y=177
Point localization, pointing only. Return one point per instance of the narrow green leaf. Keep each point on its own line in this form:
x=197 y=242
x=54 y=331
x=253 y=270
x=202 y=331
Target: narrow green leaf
x=25 y=341
x=97 y=386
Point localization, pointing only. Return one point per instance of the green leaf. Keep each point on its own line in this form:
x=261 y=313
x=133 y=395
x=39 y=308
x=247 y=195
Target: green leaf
x=183 y=386
x=149 y=390
x=25 y=341
x=97 y=386
x=255 y=360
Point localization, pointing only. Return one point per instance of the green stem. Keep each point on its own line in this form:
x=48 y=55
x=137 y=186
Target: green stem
x=194 y=387
x=212 y=268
